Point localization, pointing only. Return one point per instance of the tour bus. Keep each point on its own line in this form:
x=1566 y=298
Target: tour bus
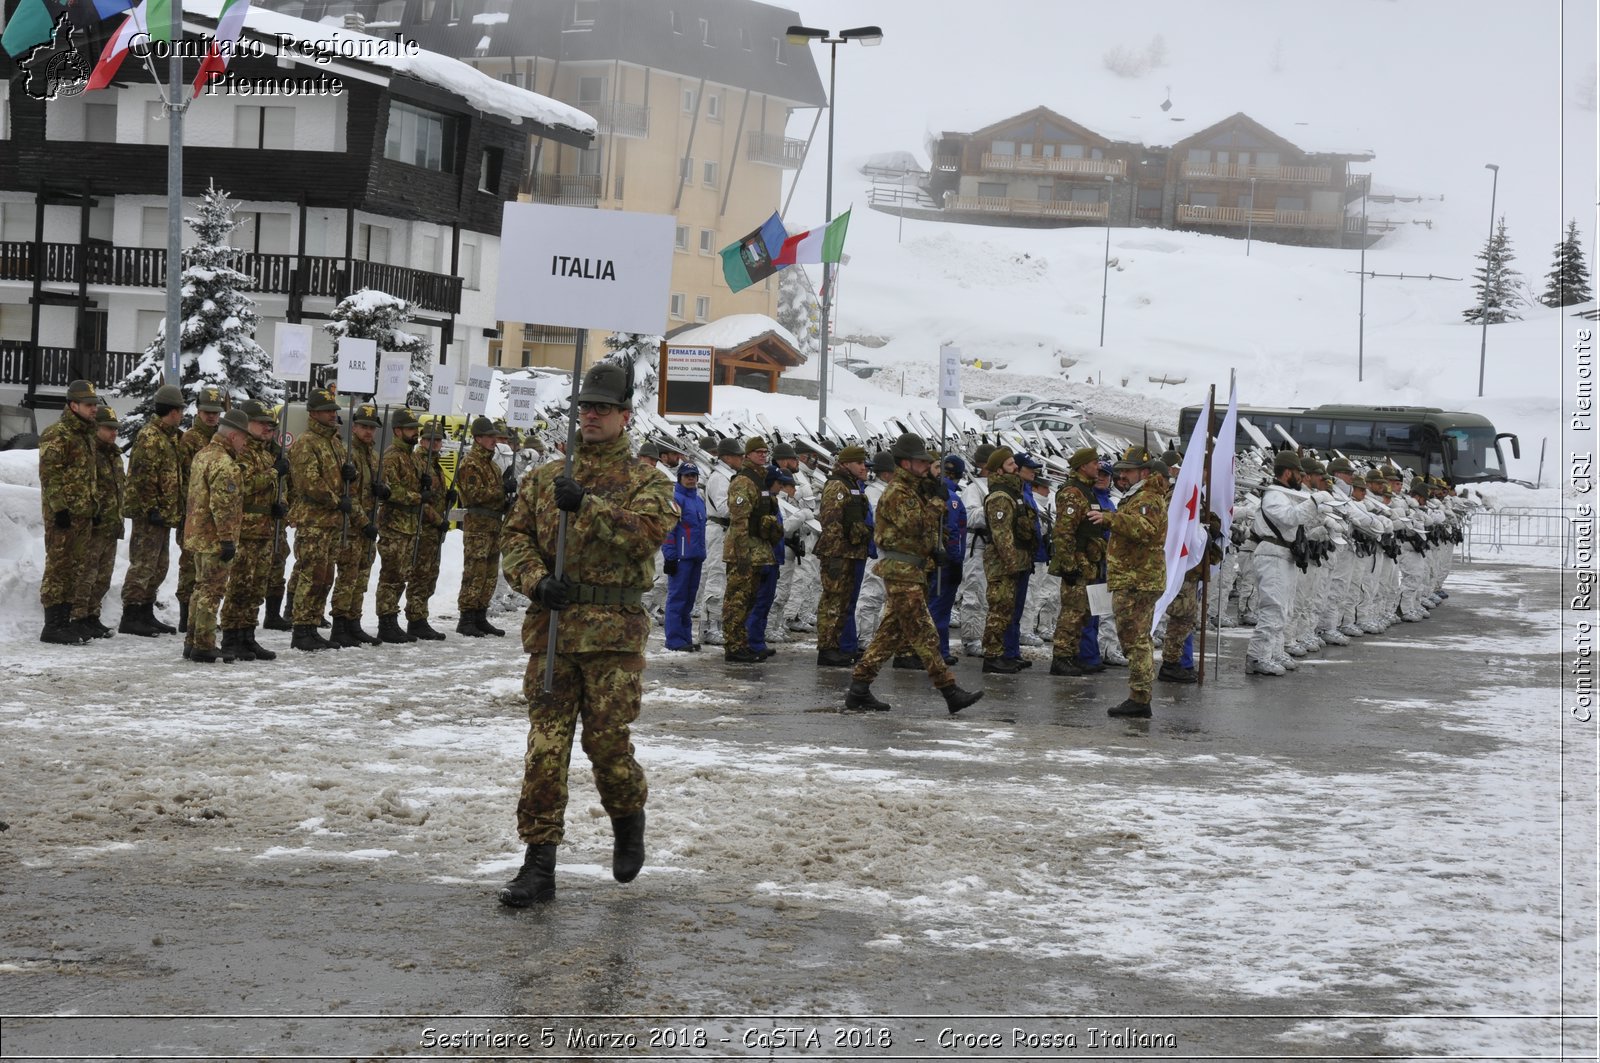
x=1464 y=448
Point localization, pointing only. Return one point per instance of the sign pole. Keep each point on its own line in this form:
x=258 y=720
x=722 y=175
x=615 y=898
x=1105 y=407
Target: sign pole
x=561 y=527
x=1205 y=507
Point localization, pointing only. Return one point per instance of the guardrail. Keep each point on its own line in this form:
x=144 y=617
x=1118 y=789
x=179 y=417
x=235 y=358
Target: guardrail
x=1491 y=531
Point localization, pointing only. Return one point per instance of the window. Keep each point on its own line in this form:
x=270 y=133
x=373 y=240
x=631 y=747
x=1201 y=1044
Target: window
x=1072 y=151
x=686 y=168
x=591 y=89
x=708 y=173
x=1202 y=199
x=706 y=37
x=780 y=42
x=714 y=107
x=1091 y=194
x=17 y=221
x=263 y=127
x=1396 y=435
x=1003 y=147
x=420 y=137
x=155 y=128
x=1025 y=150
x=997 y=189
x=372 y=242
x=1312 y=431
x=519 y=79
x=708 y=242
x=1266 y=160
x=677 y=305
x=744 y=38
x=675 y=21
x=702 y=308
x=489 y=165
x=680 y=238
x=589 y=162
x=688 y=101
x=1290 y=203
x=1352 y=435
x=266 y=232
x=5 y=108
x=468 y=265
x=153 y=227
x=1199 y=157
x=100 y=124
x=427 y=257
x=583 y=12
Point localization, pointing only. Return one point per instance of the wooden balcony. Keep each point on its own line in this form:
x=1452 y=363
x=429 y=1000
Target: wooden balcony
x=1040 y=164
x=775 y=150
x=56 y=367
x=564 y=189
x=1028 y=208
x=1311 y=175
x=1238 y=216
x=619 y=119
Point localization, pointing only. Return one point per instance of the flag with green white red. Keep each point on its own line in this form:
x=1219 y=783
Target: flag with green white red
x=815 y=245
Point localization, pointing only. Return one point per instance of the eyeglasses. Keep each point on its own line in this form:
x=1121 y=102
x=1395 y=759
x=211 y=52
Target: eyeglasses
x=599 y=409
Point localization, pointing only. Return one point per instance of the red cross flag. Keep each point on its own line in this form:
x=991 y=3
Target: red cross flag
x=1186 y=532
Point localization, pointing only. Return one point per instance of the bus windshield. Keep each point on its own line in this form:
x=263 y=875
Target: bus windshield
x=1471 y=454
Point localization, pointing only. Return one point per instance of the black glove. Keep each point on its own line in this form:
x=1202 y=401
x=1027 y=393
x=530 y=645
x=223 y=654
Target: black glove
x=279 y=510
x=941 y=556
x=444 y=528
x=451 y=498
x=508 y=483
x=670 y=566
x=63 y=518
x=427 y=483
x=228 y=550
x=569 y=493
x=955 y=572
x=797 y=545
x=552 y=593
x=345 y=505
x=370 y=531
x=348 y=473
x=1071 y=579
x=381 y=489
x=155 y=518
x=281 y=466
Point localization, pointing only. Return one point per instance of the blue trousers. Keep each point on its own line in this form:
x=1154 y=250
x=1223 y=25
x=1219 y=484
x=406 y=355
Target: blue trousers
x=1011 y=643
x=755 y=625
x=849 y=641
x=681 y=589
x=1187 y=660
x=942 y=587
x=1089 y=643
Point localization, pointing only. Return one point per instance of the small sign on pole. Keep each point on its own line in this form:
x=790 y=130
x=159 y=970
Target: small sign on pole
x=442 y=397
x=685 y=381
x=394 y=378
x=950 y=378
x=291 y=354
x=358 y=366
x=521 y=397
x=480 y=378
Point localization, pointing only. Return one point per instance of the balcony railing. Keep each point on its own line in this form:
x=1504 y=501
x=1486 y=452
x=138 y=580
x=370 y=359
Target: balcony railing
x=775 y=150
x=1040 y=164
x=1285 y=219
x=56 y=368
x=564 y=189
x=549 y=334
x=947 y=162
x=1032 y=208
x=146 y=267
x=618 y=119
x=1316 y=175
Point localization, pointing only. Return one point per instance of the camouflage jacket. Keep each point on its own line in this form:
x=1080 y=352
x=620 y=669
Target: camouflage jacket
x=753 y=524
x=1010 y=521
x=1136 y=551
x=258 y=486
x=845 y=531
x=190 y=444
x=910 y=524
x=480 y=487
x=363 y=496
x=1079 y=547
x=315 y=486
x=403 y=473
x=612 y=541
x=216 y=504
x=67 y=472
x=433 y=497
x=156 y=478
x=110 y=480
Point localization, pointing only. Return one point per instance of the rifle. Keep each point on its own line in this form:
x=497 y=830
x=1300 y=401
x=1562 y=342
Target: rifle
x=277 y=483
x=372 y=517
x=344 y=490
x=426 y=463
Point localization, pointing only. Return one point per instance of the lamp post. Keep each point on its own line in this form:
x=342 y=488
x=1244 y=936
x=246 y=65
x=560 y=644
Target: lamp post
x=1105 y=265
x=1488 y=270
x=1250 y=218
x=868 y=36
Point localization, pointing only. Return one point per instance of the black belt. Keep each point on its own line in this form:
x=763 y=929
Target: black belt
x=900 y=555
x=484 y=511
x=1273 y=539
x=589 y=594
x=258 y=511
x=721 y=521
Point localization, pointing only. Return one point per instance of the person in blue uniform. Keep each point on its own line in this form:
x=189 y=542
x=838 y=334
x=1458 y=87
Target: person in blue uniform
x=1089 y=644
x=683 y=554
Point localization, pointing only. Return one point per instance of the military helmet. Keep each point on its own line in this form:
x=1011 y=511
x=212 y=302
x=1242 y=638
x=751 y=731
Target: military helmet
x=997 y=459
x=754 y=443
x=258 y=411
x=1286 y=459
x=434 y=429
x=1389 y=472
x=502 y=430
x=105 y=415
x=1083 y=456
x=402 y=418
x=482 y=426
x=83 y=391
x=688 y=468
x=882 y=462
x=910 y=445
x=1341 y=465
x=367 y=414
x=729 y=447
x=851 y=454
x=782 y=451
x=648 y=449
x=1311 y=466
x=980 y=457
x=168 y=395
x=607 y=382
x=236 y=420
x=209 y=400
x=321 y=400
x=1358 y=483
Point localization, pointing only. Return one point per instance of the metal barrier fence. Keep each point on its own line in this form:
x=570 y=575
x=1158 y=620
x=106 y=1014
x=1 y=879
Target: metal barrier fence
x=1491 y=531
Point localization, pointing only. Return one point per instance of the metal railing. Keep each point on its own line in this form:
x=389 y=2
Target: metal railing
x=1288 y=219
x=1319 y=175
x=1062 y=208
x=54 y=367
x=618 y=119
x=1492 y=530
x=564 y=189
x=1043 y=164
x=775 y=150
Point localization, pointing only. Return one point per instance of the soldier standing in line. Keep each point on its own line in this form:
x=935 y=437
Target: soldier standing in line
x=279 y=606
x=208 y=408
x=714 y=576
x=972 y=596
x=154 y=502
x=484 y=492
x=319 y=505
x=787 y=461
x=1006 y=557
x=353 y=571
x=869 y=602
x=106 y=528
x=211 y=532
x=398 y=523
x=945 y=580
x=69 y=496
x=842 y=550
x=1136 y=576
x=619 y=514
x=1076 y=556
x=752 y=529
x=435 y=523
x=260 y=512
x=910 y=530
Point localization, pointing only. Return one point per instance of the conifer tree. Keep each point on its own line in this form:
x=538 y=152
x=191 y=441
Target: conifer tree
x=1569 y=279
x=1496 y=277
x=799 y=310
x=640 y=353
x=373 y=315
x=217 y=339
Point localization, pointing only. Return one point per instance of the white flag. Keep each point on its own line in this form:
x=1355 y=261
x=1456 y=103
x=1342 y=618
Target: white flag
x=1186 y=532
x=1222 y=456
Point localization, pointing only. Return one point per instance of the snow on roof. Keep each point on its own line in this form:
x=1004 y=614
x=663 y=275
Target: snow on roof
x=483 y=92
x=733 y=331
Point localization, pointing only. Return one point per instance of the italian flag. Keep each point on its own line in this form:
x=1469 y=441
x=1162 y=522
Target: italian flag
x=230 y=23
x=815 y=245
x=151 y=16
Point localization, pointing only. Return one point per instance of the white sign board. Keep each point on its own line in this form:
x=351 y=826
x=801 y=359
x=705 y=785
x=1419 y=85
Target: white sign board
x=394 y=378
x=291 y=353
x=950 y=378
x=582 y=268
x=442 y=397
x=480 y=378
x=358 y=366
x=689 y=365
x=521 y=395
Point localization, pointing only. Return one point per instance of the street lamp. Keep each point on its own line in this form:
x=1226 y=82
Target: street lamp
x=1250 y=218
x=1105 y=266
x=868 y=36
x=1488 y=267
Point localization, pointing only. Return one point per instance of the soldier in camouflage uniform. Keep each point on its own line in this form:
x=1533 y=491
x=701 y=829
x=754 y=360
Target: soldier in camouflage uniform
x=279 y=606
x=1007 y=555
x=360 y=546
x=211 y=531
x=619 y=513
x=910 y=532
x=1136 y=574
x=154 y=503
x=208 y=408
x=485 y=494
x=398 y=524
x=753 y=527
x=107 y=527
x=436 y=503
x=842 y=550
x=1078 y=550
x=69 y=497
x=260 y=513
x=318 y=505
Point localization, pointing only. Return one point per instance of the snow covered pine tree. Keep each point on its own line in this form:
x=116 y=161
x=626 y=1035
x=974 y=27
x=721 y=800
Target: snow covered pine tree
x=1503 y=283
x=1569 y=279
x=640 y=353
x=381 y=317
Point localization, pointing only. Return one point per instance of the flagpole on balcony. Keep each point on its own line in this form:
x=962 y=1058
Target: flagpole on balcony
x=176 y=105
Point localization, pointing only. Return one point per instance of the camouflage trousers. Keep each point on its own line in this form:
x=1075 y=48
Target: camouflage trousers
x=98 y=562
x=66 y=550
x=247 y=584
x=602 y=690
x=314 y=551
x=210 y=584
x=906 y=627
x=185 y=569
x=836 y=609
x=1181 y=617
x=1072 y=619
x=738 y=598
x=394 y=574
x=149 y=551
x=1134 y=610
x=277 y=561
x=354 y=576
x=424 y=575
x=1002 y=606
x=480 y=569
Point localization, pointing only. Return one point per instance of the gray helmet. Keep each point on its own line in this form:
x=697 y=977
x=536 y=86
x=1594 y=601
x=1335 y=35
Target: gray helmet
x=169 y=395
x=607 y=382
x=910 y=445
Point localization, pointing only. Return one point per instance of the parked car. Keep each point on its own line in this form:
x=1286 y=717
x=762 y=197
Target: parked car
x=1039 y=421
x=1013 y=403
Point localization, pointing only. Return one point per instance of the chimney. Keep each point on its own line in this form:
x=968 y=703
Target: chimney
x=355 y=22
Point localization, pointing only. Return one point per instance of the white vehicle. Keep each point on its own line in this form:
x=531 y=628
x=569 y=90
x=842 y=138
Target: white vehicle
x=1035 y=420
x=1005 y=404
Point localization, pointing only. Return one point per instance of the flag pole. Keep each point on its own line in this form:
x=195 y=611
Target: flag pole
x=176 y=106
x=561 y=526
x=1205 y=508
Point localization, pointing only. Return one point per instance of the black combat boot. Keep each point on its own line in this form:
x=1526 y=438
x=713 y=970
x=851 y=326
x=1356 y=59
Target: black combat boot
x=1065 y=666
x=956 y=699
x=353 y=631
x=183 y=615
x=231 y=647
x=161 y=627
x=247 y=638
x=306 y=638
x=1176 y=673
x=274 y=620
x=94 y=628
x=744 y=656
x=389 y=630
x=188 y=647
x=627 y=846
x=1130 y=707
x=834 y=659
x=1090 y=669
x=1020 y=662
x=536 y=882
x=907 y=660
x=420 y=629
x=139 y=620
x=58 y=627
x=860 y=697
x=484 y=626
x=468 y=624
x=1002 y=665
x=200 y=655
x=340 y=635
